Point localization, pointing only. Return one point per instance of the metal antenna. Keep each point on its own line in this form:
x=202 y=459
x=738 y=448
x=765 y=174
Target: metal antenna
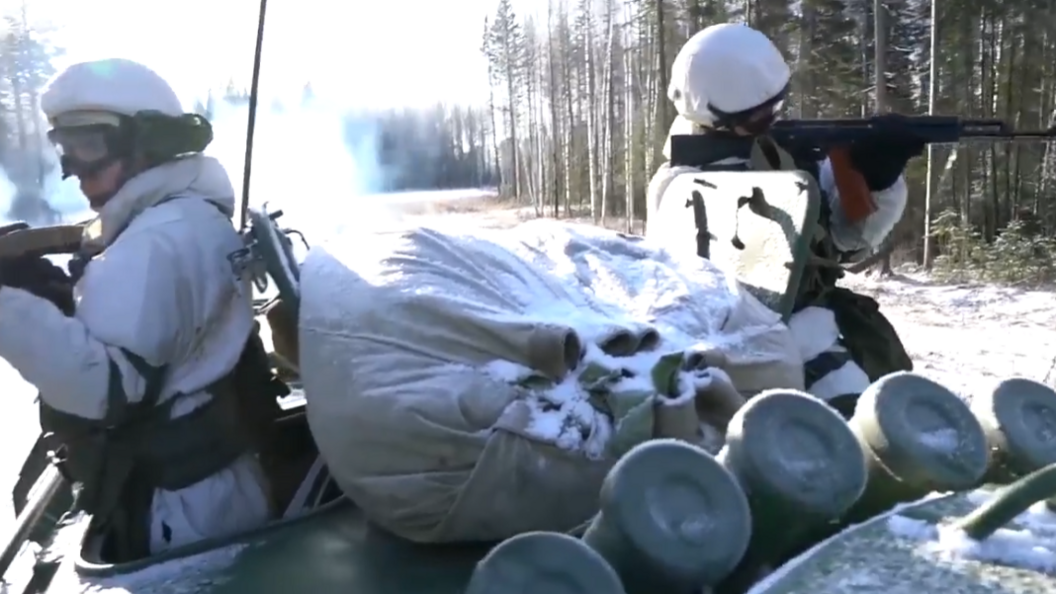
x=254 y=88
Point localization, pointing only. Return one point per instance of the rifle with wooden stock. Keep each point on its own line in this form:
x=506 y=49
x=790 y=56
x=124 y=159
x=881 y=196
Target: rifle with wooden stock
x=832 y=138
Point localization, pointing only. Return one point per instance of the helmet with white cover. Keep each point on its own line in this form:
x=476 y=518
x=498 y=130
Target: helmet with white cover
x=726 y=75
x=109 y=110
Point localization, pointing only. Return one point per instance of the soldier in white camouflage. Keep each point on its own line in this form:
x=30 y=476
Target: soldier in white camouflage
x=729 y=83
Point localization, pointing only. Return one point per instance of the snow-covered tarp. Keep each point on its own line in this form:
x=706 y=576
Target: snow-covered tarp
x=474 y=386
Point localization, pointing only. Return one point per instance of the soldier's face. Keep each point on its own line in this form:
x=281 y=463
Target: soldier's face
x=100 y=186
x=88 y=153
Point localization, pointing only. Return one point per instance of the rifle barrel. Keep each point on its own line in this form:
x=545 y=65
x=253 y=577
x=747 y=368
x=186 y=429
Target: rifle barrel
x=814 y=138
x=1013 y=135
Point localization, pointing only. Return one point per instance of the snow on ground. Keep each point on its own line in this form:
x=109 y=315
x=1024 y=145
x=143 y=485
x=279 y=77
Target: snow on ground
x=969 y=336
x=19 y=427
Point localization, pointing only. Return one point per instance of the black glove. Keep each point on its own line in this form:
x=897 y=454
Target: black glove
x=882 y=156
x=39 y=276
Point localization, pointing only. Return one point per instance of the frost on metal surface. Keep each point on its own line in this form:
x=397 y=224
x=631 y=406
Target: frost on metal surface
x=912 y=549
x=190 y=575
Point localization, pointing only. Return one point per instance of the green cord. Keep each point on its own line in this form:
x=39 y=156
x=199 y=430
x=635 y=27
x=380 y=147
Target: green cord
x=1008 y=503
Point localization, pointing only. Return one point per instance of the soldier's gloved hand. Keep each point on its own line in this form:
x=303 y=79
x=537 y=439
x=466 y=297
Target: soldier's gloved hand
x=882 y=156
x=39 y=276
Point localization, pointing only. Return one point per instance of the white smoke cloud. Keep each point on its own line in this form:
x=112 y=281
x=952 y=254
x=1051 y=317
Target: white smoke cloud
x=312 y=159
x=63 y=195
x=7 y=192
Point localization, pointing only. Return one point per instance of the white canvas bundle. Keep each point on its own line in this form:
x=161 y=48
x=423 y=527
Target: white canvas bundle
x=471 y=387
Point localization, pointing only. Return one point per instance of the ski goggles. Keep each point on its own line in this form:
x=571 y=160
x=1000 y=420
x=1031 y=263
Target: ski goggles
x=87 y=150
x=756 y=120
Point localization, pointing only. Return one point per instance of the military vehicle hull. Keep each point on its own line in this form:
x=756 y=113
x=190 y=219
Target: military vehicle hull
x=330 y=550
x=913 y=549
x=334 y=549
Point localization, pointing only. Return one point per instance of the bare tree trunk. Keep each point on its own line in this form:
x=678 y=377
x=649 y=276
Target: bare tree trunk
x=511 y=102
x=589 y=54
x=528 y=161
x=555 y=123
x=630 y=115
x=933 y=73
x=608 y=169
x=494 y=133
x=661 y=123
x=880 y=82
x=570 y=113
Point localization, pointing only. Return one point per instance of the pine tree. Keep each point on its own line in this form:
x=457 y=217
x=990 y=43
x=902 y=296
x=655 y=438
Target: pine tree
x=504 y=49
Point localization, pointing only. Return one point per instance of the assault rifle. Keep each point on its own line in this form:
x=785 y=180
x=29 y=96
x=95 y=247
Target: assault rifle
x=20 y=240
x=818 y=139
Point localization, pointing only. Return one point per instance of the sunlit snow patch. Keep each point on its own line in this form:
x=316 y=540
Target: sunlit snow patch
x=1028 y=542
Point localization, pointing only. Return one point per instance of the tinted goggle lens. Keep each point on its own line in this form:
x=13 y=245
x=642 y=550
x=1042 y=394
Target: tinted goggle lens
x=757 y=117
x=85 y=145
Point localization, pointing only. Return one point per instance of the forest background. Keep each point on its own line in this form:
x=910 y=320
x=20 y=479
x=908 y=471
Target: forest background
x=577 y=113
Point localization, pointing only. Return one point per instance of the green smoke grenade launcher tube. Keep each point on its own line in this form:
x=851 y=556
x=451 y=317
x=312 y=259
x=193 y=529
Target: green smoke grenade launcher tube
x=800 y=465
x=919 y=437
x=544 y=563
x=672 y=519
x=1019 y=419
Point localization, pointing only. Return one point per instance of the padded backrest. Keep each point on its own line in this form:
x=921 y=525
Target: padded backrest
x=757 y=226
